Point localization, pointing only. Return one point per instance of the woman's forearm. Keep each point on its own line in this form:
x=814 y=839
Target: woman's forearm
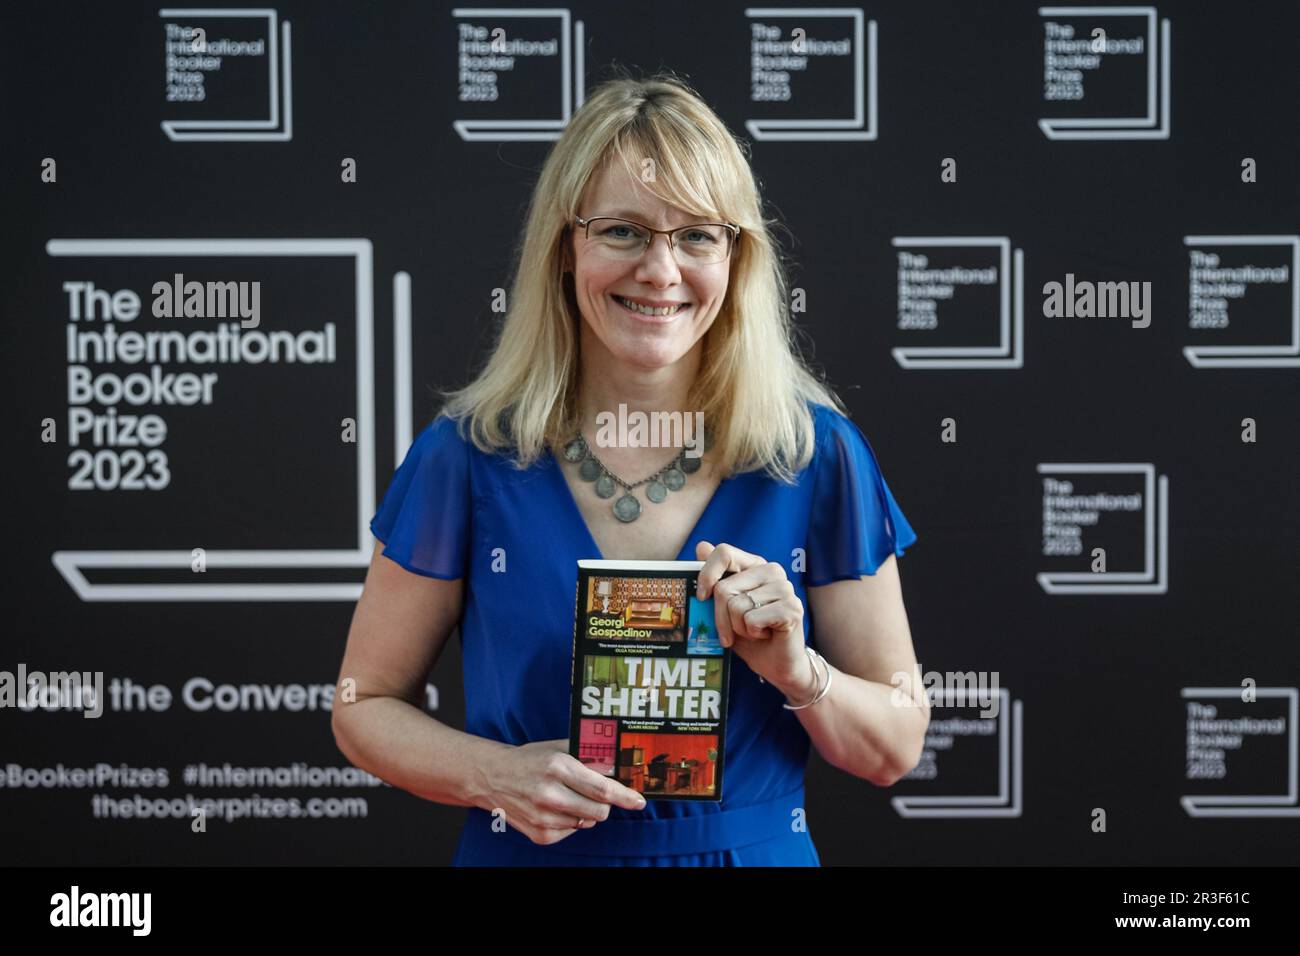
x=859 y=727
x=404 y=746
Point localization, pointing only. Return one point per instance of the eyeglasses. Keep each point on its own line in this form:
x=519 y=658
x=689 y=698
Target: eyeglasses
x=623 y=240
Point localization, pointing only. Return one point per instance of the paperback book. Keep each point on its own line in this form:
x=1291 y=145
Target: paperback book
x=650 y=679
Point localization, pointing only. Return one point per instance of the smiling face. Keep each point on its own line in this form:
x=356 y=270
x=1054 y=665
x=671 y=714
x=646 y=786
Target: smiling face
x=656 y=278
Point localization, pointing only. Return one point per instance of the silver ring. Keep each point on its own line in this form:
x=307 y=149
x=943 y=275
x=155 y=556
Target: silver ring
x=581 y=822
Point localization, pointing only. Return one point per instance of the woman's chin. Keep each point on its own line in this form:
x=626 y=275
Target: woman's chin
x=641 y=356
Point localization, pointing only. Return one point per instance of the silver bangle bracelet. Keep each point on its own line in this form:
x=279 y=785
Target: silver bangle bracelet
x=814 y=657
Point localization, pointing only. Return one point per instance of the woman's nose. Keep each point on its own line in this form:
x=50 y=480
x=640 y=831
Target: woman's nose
x=659 y=262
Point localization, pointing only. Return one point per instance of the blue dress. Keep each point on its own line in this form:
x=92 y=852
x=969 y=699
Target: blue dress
x=451 y=511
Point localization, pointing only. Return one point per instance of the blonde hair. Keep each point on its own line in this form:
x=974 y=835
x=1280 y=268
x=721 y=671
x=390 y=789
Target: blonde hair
x=753 y=385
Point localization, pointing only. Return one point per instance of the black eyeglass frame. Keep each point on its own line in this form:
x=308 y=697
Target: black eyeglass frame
x=732 y=229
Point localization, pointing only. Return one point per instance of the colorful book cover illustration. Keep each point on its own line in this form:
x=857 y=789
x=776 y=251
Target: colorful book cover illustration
x=650 y=679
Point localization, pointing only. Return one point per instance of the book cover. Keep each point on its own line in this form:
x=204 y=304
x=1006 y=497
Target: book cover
x=650 y=679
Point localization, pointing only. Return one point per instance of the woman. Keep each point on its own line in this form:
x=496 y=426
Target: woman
x=485 y=519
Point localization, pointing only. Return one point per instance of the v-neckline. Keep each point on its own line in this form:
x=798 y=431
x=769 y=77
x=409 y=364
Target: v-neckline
x=687 y=552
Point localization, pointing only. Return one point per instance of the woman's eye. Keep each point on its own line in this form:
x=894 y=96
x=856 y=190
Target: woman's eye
x=700 y=237
x=619 y=232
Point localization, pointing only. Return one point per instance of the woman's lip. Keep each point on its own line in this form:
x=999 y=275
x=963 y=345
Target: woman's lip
x=649 y=318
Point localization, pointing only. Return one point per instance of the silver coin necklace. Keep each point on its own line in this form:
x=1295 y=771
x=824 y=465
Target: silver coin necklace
x=627 y=507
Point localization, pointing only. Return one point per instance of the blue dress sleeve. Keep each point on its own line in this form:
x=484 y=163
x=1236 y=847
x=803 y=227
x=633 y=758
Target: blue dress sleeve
x=856 y=523
x=423 y=520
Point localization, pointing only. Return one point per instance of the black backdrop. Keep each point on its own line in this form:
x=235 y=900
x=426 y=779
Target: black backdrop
x=1099 y=676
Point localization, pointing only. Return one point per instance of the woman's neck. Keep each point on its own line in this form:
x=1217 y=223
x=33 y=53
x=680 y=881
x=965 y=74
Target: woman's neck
x=606 y=383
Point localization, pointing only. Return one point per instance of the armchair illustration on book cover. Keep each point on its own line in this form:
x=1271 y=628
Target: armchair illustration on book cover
x=649 y=604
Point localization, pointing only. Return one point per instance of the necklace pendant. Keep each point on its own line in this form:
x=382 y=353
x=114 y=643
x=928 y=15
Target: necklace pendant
x=575 y=450
x=605 y=486
x=590 y=469
x=627 y=509
x=674 y=478
x=656 y=491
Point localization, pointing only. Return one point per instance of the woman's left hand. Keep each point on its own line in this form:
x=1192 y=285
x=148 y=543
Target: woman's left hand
x=756 y=611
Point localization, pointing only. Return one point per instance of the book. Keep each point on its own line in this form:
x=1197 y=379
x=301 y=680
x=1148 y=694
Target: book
x=650 y=679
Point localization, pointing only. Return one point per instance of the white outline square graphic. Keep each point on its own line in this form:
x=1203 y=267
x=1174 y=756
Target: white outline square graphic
x=1252 y=356
x=1224 y=805
x=1009 y=800
x=1061 y=128
x=1154 y=576
x=281 y=78
x=572 y=75
x=863 y=125
x=1010 y=350
x=71 y=562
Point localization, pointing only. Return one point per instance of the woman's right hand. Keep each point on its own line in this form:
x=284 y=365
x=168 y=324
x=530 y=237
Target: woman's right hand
x=544 y=791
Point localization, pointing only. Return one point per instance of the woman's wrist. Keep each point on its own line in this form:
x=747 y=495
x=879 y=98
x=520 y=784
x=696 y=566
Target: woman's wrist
x=476 y=785
x=802 y=684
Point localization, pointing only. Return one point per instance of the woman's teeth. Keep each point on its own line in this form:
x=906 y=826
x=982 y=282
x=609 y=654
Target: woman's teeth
x=646 y=310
